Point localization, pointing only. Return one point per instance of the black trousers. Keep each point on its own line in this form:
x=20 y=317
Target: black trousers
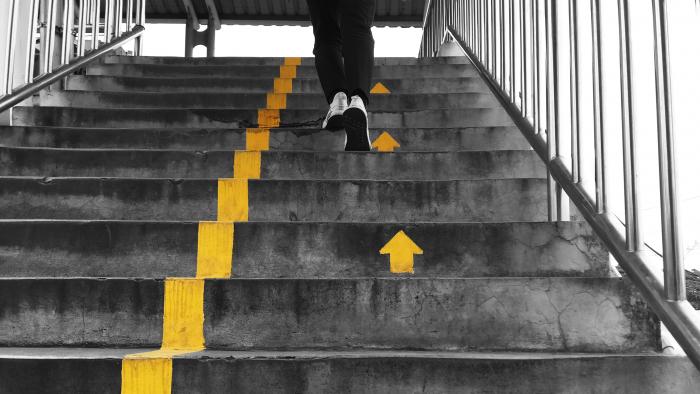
x=344 y=46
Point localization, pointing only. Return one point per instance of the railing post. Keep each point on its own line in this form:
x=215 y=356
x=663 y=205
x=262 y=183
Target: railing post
x=67 y=36
x=629 y=143
x=48 y=32
x=557 y=209
x=598 y=108
x=96 y=24
x=674 y=271
x=523 y=58
x=140 y=20
x=536 y=70
x=574 y=91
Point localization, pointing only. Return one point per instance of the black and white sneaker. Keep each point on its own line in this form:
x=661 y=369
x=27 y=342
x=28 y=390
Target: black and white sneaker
x=334 y=118
x=356 y=127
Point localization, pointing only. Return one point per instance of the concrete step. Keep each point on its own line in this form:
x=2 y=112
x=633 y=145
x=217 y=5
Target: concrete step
x=270 y=61
x=263 y=85
x=206 y=71
x=274 y=164
x=234 y=118
x=391 y=102
x=47 y=248
x=84 y=370
x=275 y=200
x=411 y=140
x=514 y=314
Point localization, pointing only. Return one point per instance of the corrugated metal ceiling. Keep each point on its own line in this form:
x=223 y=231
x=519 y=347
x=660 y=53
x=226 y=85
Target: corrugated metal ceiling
x=279 y=12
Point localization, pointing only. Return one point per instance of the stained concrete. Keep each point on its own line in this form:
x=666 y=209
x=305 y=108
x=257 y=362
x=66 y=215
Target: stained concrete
x=274 y=164
x=241 y=118
x=275 y=200
x=564 y=314
x=289 y=139
x=299 y=250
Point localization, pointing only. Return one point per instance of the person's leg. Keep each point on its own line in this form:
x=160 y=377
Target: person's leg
x=328 y=46
x=357 y=17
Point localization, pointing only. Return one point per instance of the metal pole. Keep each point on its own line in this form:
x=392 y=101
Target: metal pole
x=9 y=54
x=574 y=90
x=511 y=21
x=502 y=43
x=118 y=8
x=674 y=271
x=67 y=36
x=554 y=191
x=598 y=108
x=632 y=225
x=108 y=23
x=48 y=39
x=129 y=14
x=82 y=16
x=537 y=69
x=523 y=58
x=140 y=20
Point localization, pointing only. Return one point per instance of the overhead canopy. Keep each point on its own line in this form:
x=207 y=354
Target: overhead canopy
x=277 y=12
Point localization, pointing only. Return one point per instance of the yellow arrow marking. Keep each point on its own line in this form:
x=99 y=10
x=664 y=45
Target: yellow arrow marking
x=379 y=88
x=385 y=143
x=401 y=249
x=215 y=250
x=246 y=164
x=257 y=139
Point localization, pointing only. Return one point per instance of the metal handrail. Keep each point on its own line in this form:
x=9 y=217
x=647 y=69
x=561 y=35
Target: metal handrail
x=521 y=86
x=82 y=25
x=17 y=96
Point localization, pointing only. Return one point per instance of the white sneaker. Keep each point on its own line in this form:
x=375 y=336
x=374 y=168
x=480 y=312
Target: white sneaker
x=356 y=126
x=334 y=118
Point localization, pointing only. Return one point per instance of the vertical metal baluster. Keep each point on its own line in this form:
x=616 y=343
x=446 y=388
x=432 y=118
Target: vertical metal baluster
x=9 y=55
x=67 y=36
x=674 y=271
x=537 y=87
x=82 y=15
x=598 y=108
x=31 y=41
x=633 y=228
x=494 y=49
x=140 y=20
x=129 y=14
x=96 y=24
x=108 y=20
x=523 y=58
x=118 y=15
x=511 y=21
x=49 y=37
x=502 y=44
x=554 y=192
x=574 y=90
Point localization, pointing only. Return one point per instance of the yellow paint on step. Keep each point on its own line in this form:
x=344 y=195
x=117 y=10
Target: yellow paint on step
x=288 y=71
x=379 y=88
x=283 y=85
x=246 y=164
x=147 y=375
x=276 y=101
x=292 y=61
x=401 y=249
x=257 y=139
x=385 y=143
x=232 y=202
x=268 y=118
x=215 y=250
x=183 y=314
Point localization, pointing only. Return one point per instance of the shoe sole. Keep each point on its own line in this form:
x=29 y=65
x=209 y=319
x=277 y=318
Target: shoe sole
x=335 y=123
x=356 y=130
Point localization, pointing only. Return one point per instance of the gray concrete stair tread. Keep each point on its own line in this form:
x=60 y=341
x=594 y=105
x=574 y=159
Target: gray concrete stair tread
x=304 y=200
x=271 y=61
x=547 y=314
x=411 y=139
x=260 y=85
x=235 y=118
x=246 y=71
x=150 y=163
x=407 y=101
x=56 y=248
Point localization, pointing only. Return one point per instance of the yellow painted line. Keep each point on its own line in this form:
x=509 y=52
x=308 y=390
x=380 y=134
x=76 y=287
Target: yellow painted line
x=183 y=314
x=246 y=164
x=147 y=375
x=276 y=101
x=292 y=61
x=288 y=71
x=268 y=118
x=215 y=250
x=257 y=139
x=401 y=249
x=232 y=205
x=379 y=88
x=283 y=85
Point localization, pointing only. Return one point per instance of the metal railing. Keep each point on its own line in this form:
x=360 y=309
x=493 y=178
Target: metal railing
x=525 y=50
x=45 y=38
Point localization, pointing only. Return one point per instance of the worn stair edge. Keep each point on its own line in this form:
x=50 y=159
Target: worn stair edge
x=45 y=371
x=288 y=250
x=410 y=139
x=547 y=314
x=490 y=200
x=274 y=164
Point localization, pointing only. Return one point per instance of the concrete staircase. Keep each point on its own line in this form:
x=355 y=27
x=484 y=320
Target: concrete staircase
x=119 y=192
